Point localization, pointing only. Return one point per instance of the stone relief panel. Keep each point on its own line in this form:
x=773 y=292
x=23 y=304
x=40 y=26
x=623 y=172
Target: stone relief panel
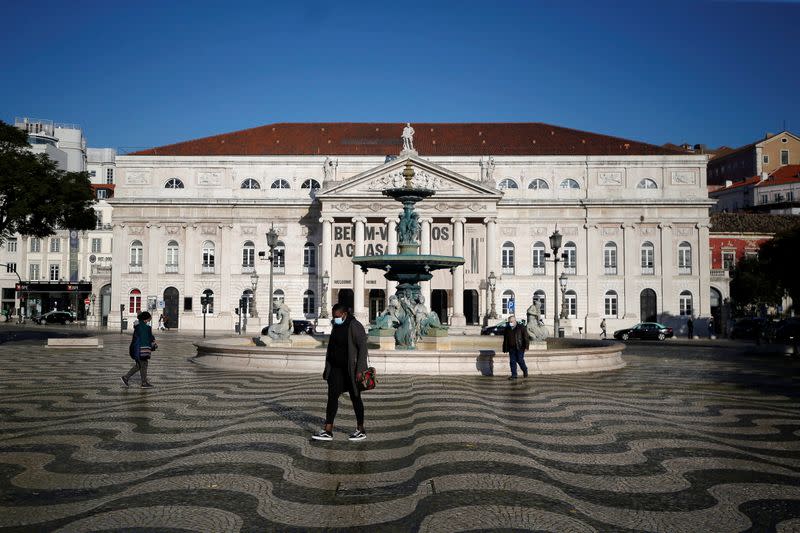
x=137 y=177
x=609 y=230
x=509 y=232
x=421 y=179
x=135 y=230
x=570 y=230
x=173 y=230
x=540 y=230
x=609 y=178
x=684 y=177
x=208 y=230
x=248 y=230
x=209 y=178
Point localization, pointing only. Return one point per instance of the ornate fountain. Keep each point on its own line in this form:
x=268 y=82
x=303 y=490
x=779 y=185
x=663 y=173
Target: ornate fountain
x=407 y=314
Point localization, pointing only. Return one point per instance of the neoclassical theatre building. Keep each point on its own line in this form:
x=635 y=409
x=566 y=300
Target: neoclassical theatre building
x=191 y=219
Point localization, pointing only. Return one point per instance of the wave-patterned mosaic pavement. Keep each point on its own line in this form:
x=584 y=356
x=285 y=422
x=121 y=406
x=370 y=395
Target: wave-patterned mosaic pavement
x=682 y=440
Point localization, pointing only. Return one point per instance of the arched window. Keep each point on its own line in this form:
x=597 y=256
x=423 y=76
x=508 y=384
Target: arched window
x=610 y=308
x=507 y=257
x=508 y=302
x=135 y=302
x=249 y=255
x=173 y=183
x=539 y=252
x=570 y=255
x=539 y=297
x=538 y=184
x=309 y=303
x=172 y=256
x=136 y=256
x=250 y=183
x=569 y=183
x=508 y=183
x=247 y=300
x=647 y=183
x=280 y=184
x=278 y=296
x=686 y=303
x=208 y=293
x=309 y=258
x=209 y=259
x=571 y=304
x=648 y=258
x=684 y=258
x=610 y=258
x=310 y=184
x=279 y=258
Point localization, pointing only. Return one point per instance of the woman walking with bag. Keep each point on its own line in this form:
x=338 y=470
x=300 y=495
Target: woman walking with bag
x=345 y=362
x=142 y=344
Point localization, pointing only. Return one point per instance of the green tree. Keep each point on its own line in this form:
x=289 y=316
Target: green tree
x=751 y=286
x=779 y=257
x=36 y=198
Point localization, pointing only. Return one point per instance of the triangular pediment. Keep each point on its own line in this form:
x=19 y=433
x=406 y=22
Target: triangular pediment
x=446 y=183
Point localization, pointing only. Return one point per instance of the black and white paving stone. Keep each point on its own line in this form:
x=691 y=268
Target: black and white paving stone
x=684 y=439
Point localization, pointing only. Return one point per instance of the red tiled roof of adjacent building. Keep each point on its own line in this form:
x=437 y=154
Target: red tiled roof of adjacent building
x=782 y=175
x=384 y=138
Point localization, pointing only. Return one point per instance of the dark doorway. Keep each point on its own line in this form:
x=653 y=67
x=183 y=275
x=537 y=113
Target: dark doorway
x=105 y=304
x=471 y=307
x=439 y=304
x=345 y=296
x=377 y=303
x=171 y=307
x=648 y=308
x=716 y=309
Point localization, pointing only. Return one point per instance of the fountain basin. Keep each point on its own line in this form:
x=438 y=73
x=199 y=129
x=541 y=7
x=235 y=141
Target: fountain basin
x=408 y=267
x=467 y=356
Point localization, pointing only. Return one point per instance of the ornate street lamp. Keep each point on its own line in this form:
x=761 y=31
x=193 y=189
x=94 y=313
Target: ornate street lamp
x=272 y=242
x=562 y=280
x=254 y=285
x=555 y=245
x=325 y=280
x=492 y=285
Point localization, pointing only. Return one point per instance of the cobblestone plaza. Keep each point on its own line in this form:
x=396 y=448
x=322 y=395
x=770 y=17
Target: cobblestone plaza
x=686 y=438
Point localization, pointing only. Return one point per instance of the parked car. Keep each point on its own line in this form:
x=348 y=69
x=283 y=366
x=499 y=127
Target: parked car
x=788 y=330
x=498 y=328
x=56 y=317
x=748 y=328
x=299 y=327
x=645 y=330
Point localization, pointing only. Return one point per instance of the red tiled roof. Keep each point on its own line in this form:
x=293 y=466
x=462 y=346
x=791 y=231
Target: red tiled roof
x=347 y=138
x=782 y=175
x=741 y=183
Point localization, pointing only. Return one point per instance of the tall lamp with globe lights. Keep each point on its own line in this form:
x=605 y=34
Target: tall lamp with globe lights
x=492 y=285
x=562 y=280
x=325 y=280
x=555 y=245
x=272 y=242
x=254 y=285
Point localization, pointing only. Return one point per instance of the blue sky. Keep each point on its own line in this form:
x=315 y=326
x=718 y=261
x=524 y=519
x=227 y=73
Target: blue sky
x=139 y=74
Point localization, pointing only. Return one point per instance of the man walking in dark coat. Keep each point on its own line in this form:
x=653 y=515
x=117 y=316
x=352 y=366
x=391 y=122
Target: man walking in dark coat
x=345 y=360
x=515 y=342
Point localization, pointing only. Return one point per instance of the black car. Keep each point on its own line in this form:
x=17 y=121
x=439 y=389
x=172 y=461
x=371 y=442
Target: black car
x=645 y=330
x=56 y=317
x=299 y=327
x=788 y=330
x=748 y=328
x=498 y=328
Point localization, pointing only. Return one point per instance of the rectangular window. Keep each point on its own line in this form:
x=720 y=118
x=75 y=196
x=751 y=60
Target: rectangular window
x=33 y=270
x=728 y=260
x=611 y=305
x=12 y=245
x=766 y=159
x=507 y=258
x=55 y=245
x=789 y=198
x=648 y=261
x=538 y=261
x=36 y=245
x=686 y=305
x=570 y=260
x=92 y=173
x=55 y=272
x=11 y=267
x=102 y=194
x=571 y=301
x=98 y=216
x=764 y=199
x=248 y=257
x=109 y=175
x=187 y=303
x=784 y=157
x=97 y=246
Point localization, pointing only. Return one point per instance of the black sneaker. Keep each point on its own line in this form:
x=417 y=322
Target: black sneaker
x=511 y=378
x=124 y=380
x=525 y=374
x=357 y=435
x=147 y=386
x=322 y=435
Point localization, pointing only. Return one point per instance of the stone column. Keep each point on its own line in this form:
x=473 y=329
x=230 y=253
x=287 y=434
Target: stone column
x=594 y=263
x=704 y=272
x=425 y=248
x=326 y=259
x=391 y=249
x=630 y=253
x=458 y=318
x=358 y=276
x=152 y=270
x=491 y=261
x=118 y=291
x=187 y=261
x=668 y=268
x=226 y=258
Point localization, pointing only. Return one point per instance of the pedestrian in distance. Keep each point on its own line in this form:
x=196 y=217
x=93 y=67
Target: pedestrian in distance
x=162 y=322
x=603 y=332
x=345 y=361
x=711 y=332
x=143 y=343
x=515 y=342
x=690 y=328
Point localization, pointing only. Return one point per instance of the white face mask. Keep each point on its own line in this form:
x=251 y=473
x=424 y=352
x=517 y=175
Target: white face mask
x=512 y=323
x=338 y=320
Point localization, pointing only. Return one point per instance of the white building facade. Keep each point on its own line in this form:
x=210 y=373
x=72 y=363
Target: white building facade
x=634 y=223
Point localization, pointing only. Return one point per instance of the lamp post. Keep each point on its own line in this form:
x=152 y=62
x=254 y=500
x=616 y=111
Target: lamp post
x=492 y=285
x=272 y=241
x=254 y=285
x=562 y=280
x=555 y=245
x=204 y=305
x=325 y=280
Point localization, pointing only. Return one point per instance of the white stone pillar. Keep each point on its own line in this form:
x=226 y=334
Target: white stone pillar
x=152 y=270
x=458 y=318
x=226 y=258
x=704 y=272
x=187 y=261
x=118 y=291
x=594 y=263
x=326 y=259
x=491 y=261
x=425 y=248
x=630 y=253
x=667 y=302
x=358 y=275
x=391 y=249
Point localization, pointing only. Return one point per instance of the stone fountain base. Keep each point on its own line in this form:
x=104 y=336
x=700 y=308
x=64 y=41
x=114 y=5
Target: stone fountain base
x=468 y=355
